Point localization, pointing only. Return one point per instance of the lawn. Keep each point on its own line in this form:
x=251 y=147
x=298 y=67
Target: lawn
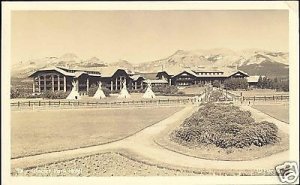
x=192 y=90
x=278 y=111
x=36 y=132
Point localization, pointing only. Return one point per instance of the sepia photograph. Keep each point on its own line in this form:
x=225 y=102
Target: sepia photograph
x=111 y=90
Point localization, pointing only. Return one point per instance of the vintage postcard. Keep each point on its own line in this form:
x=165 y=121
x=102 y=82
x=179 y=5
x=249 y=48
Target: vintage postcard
x=150 y=93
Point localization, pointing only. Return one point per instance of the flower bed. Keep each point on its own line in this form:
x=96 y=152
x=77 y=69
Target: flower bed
x=224 y=126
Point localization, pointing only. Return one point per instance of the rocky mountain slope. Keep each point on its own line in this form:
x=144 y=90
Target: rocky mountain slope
x=252 y=61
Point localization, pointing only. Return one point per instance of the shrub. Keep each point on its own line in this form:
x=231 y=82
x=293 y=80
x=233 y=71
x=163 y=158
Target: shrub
x=14 y=93
x=55 y=95
x=224 y=126
x=215 y=96
x=136 y=90
x=180 y=93
x=216 y=83
x=94 y=88
x=165 y=89
x=235 y=83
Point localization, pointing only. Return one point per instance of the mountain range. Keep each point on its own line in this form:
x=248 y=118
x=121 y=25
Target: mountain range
x=252 y=61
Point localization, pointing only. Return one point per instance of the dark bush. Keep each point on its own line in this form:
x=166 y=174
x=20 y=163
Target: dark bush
x=216 y=83
x=235 y=83
x=165 y=89
x=14 y=93
x=94 y=88
x=224 y=126
x=55 y=95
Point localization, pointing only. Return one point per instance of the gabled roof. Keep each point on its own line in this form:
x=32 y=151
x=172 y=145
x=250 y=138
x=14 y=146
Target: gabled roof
x=149 y=76
x=108 y=72
x=53 y=69
x=187 y=71
x=79 y=73
x=163 y=72
x=79 y=69
x=253 y=79
x=156 y=81
x=136 y=77
x=212 y=73
x=234 y=72
x=63 y=71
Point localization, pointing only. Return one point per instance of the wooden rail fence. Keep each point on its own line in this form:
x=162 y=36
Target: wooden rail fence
x=42 y=104
x=266 y=98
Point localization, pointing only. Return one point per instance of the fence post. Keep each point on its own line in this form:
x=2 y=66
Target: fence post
x=281 y=97
x=49 y=102
x=265 y=98
x=29 y=103
x=39 y=103
x=273 y=97
x=18 y=104
x=78 y=103
x=253 y=98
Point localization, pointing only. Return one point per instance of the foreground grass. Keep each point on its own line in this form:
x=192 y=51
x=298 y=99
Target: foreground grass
x=122 y=164
x=192 y=90
x=36 y=132
x=278 y=111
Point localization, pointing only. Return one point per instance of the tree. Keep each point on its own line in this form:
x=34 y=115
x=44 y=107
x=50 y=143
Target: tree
x=216 y=83
x=259 y=83
x=165 y=89
x=14 y=93
x=94 y=88
x=268 y=83
x=235 y=83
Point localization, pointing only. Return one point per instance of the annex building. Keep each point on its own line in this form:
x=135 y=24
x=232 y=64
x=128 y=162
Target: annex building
x=60 y=78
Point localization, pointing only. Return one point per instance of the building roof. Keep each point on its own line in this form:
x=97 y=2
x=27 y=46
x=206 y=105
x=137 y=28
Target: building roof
x=136 y=77
x=156 y=81
x=230 y=73
x=53 y=69
x=149 y=76
x=108 y=72
x=66 y=72
x=79 y=73
x=199 y=70
x=253 y=79
x=225 y=73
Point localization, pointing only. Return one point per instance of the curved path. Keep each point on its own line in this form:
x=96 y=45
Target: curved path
x=143 y=147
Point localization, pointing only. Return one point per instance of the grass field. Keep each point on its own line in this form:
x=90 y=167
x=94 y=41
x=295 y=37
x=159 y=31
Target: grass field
x=36 y=132
x=192 y=90
x=278 y=111
x=119 y=164
x=259 y=92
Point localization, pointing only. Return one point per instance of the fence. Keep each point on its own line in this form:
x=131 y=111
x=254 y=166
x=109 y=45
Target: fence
x=80 y=104
x=266 y=98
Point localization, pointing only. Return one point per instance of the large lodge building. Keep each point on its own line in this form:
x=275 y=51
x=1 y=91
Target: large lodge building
x=60 y=78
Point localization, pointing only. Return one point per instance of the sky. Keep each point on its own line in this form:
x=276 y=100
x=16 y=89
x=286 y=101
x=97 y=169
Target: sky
x=141 y=36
